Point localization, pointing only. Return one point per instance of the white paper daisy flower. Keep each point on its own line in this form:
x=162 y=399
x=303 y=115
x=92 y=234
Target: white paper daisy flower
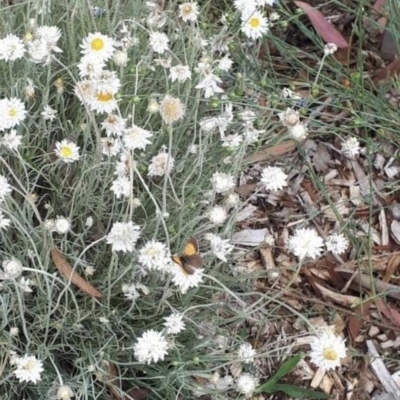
x=11 y=48
x=219 y=247
x=151 y=347
x=246 y=384
x=222 y=182
x=107 y=82
x=337 y=243
x=246 y=353
x=351 y=147
x=62 y=225
x=155 y=256
x=4 y=222
x=12 y=113
x=161 y=164
x=185 y=281
x=103 y=102
x=273 y=178
x=298 y=131
x=171 y=109
x=180 y=73
x=121 y=187
x=326 y=351
x=217 y=215
x=255 y=25
x=90 y=67
x=98 y=46
x=5 y=188
x=289 y=117
x=136 y=138
x=29 y=369
x=123 y=236
x=67 y=151
x=189 y=11
x=159 y=42
x=64 y=392
x=114 y=125
x=306 y=243
x=174 y=324
x=11 y=140
x=12 y=269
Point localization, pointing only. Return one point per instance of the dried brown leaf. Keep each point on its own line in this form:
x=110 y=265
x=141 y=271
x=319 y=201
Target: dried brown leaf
x=384 y=74
x=357 y=320
x=277 y=150
x=389 y=312
x=66 y=270
x=113 y=382
x=327 y=31
x=393 y=263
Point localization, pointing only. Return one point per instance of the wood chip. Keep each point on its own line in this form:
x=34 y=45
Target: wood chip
x=246 y=213
x=395 y=230
x=317 y=379
x=250 y=237
x=384 y=228
x=373 y=331
x=381 y=371
x=326 y=384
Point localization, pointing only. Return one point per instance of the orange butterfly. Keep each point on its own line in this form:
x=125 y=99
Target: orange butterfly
x=190 y=258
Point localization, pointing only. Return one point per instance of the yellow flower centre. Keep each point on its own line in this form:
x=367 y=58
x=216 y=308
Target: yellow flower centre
x=254 y=22
x=66 y=152
x=104 y=96
x=12 y=112
x=186 y=9
x=30 y=365
x=152 y=252
x=97 y=44
x=330 y=354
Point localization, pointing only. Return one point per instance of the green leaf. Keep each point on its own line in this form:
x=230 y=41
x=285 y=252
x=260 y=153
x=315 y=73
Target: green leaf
x=298 y=392
x=283 y=370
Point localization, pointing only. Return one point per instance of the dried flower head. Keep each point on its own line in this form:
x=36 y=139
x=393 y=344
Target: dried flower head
x=171 y=109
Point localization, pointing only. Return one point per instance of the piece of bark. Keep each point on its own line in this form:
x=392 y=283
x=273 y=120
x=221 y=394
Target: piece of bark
x=381 y=371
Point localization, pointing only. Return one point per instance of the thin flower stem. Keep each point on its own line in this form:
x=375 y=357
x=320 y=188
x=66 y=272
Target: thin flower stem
x=319 y=69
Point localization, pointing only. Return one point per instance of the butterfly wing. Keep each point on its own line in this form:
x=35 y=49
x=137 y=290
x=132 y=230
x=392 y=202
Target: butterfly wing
x=191 y=247
x=189 y=259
